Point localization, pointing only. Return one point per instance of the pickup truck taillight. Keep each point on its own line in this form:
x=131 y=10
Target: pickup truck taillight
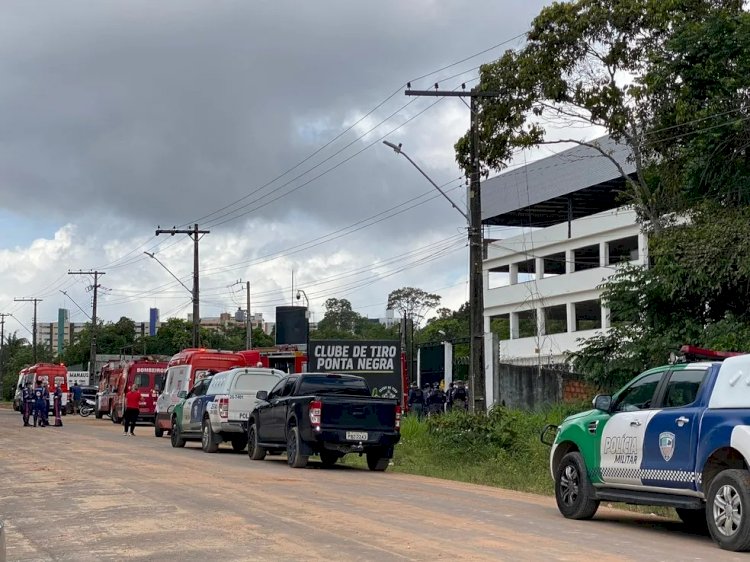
x=316 y=410
x=224 y=407
x=398 y=418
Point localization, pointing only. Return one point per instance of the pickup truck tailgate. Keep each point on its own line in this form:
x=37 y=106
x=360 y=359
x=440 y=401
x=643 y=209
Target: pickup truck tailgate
x=240 y=406
x=358 y=413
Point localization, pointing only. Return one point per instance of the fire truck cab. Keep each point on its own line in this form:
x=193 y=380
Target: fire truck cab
x=148 y=375
x=184 y=370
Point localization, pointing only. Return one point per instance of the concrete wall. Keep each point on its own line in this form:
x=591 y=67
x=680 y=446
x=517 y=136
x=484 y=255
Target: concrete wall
x=518 y=386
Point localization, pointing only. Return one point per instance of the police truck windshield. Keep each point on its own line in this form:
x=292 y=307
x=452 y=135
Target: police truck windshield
x=333 y=384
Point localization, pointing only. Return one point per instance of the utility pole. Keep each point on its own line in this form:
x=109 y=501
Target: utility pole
x=476 y=250
x=2 y=347
x=94 y=324
x=194 y=233
x=33 y=331
x=249 y=342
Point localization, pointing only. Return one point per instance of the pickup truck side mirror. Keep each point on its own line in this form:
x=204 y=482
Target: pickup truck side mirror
x=602 y=402
x=262 y=395
x=182 y=394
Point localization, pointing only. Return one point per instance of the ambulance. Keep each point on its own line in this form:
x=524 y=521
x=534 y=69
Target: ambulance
x=184 y=370
x=53 y=374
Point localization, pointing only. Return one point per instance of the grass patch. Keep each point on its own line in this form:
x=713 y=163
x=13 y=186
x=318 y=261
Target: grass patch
x=499 y=449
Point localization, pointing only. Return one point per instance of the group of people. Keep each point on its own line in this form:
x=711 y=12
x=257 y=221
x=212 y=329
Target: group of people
x=36 y=404
x=432 y=400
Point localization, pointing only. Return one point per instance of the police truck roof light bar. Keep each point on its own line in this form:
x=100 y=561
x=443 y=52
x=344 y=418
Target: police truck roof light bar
x=693 y=353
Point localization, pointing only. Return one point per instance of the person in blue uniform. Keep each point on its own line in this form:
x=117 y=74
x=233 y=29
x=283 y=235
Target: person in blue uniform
x=26 y=403
x=40 y=405
x=416 y=400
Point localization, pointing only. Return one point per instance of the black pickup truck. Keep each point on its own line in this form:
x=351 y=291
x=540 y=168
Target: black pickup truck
x=322 y=414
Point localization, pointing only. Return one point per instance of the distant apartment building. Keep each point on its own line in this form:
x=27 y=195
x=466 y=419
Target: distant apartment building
x=228 y=320
x=542 y=287
x=58 y=335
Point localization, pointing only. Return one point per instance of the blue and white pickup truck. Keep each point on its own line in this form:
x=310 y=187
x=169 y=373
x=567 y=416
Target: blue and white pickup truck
x=676 y=436
x=217 y=408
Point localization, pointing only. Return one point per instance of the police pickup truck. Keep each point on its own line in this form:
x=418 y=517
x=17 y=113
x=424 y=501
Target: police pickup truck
x=676 y=436
x=217 y=408
x=323 y=414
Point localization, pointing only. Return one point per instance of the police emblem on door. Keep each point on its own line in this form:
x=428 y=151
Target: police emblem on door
x=666 y=445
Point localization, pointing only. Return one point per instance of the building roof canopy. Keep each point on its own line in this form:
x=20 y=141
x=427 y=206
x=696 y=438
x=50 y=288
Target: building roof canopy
x=580 y=181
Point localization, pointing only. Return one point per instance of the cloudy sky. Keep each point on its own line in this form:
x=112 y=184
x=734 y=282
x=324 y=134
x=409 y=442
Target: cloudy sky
x=259 y=120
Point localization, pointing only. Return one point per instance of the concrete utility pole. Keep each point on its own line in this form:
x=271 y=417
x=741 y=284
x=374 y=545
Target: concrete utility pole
x=194 y=233
x=94 y=324
x=33 y=327
x=249 y=327
x=2 y=347
x=476 y=250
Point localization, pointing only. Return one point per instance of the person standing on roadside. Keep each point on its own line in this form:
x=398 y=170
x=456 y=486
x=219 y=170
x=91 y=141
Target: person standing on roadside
x=132 y=409
x=57 y=401
x=40 y=405
x=45 y=410
x=77 y=392
x=416 y=400
x=26 y=403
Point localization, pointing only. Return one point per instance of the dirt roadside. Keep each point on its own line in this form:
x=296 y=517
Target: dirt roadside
x=84 y=492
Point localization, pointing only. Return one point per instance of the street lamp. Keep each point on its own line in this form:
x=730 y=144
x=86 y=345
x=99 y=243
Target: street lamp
x=476 y=323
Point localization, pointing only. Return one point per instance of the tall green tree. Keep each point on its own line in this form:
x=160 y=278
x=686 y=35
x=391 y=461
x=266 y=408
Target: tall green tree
x=669 y=79
x=412 y=303
x=695 y=292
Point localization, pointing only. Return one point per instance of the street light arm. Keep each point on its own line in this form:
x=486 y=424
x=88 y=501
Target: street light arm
x=168 y=271
x=397 y=150
x=75 y=303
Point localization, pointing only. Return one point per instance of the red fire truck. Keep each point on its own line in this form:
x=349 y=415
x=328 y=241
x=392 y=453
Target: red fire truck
x=109 y=376
x=51 y=373
x=148 y=375
x=184 y=370
x=287 y=358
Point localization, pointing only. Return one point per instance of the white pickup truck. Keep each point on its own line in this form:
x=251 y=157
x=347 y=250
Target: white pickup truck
x=217 y=408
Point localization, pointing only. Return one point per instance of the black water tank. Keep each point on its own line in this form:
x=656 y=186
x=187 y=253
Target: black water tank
x=291 y=325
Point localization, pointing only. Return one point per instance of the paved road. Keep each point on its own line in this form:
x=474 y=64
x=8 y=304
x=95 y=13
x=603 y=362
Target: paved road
x=84 y=492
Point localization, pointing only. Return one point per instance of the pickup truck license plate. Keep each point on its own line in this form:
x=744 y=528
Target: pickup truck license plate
x=356 y=436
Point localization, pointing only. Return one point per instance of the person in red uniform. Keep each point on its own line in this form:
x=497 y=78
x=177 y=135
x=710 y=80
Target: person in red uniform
x=132 y=401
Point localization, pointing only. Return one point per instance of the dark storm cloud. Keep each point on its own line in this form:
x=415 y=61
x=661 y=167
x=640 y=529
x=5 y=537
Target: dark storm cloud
x=162 y=112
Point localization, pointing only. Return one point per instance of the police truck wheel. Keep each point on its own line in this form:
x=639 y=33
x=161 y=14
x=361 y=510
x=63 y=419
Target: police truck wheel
x=254 y=451
x=727 y=506
x=175 y=438
x=158 y=431
x=293 y=456
x=209 y=440
x=694 y=519
x=377 y=462
x=573 y=490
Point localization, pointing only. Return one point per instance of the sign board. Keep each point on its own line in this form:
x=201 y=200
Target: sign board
x=377 y=361
x=80 y=377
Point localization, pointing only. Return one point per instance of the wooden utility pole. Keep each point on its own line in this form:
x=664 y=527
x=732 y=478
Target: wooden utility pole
x=195 y=234
x=33 y=327
x=476 y=251
x=94 y=323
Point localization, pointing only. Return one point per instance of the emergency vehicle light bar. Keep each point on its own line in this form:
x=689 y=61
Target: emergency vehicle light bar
x=693 y=352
